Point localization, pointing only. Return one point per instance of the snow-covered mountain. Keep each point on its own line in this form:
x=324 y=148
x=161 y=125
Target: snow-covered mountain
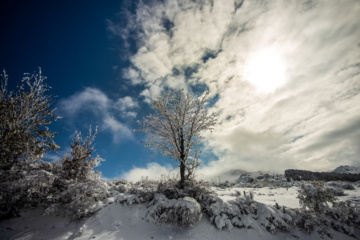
x=347 y=169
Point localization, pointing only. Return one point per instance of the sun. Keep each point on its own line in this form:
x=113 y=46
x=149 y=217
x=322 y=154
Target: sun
x=265 y=70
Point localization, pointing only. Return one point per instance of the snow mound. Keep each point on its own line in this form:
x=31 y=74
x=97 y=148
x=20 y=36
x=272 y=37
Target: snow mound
x=347 y=169
x=184 y=212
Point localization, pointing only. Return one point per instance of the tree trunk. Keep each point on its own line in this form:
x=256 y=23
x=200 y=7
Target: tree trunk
x=182 y=174
x=182 y=160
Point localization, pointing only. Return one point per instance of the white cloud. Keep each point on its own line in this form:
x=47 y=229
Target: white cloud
x=103 y=109
x=90 y=99
x=298 y=121
x=126 y=103
x=118 y=129
x=132 y=75
x=152 y=171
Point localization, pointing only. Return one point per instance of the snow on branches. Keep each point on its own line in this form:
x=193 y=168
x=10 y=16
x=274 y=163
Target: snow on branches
x=174 y=129
x=78 y=164
x=24 y=119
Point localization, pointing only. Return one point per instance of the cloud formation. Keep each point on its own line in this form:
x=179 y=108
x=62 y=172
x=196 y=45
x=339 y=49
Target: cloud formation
x=105 y=110
x=286 y=75
x=153 y=171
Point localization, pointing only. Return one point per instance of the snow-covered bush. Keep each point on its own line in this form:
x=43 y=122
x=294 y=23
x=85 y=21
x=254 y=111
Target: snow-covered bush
x=184 y=212
x=142 y=194
x=28 y=188
x=170 y=188
x=24 y=137
x=79 y=186
x=315 y=196
x=78 y=199
x=78 y=164
x=337 y=191
x=24 y=119
x=197 y=189
x=244 y=212
x=346 y=213
x=119 y=185
x=342 y=185
x=342 y=217
x=222 y=214
x=273 y=219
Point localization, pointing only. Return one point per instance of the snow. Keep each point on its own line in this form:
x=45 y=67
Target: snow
x=267 y=195
x=353 y=195
x=33 y=225
x=124 y=221
x=262 y=209
x=121 y=222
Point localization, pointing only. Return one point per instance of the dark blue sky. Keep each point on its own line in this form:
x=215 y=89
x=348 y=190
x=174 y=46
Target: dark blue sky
x=70 y=42
x=67 y=39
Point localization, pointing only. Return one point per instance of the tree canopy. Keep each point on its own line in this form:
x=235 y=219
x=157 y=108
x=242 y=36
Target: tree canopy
x=175 y=127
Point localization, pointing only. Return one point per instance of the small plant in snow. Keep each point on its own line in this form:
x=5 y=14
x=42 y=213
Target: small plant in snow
x=315 y=196
x=78 y=164
x=79 y=186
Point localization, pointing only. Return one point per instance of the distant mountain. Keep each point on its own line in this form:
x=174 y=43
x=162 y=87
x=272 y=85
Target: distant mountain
x=347 y=169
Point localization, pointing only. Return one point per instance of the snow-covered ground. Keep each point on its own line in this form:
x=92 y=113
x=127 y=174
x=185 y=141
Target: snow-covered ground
x=116 y=221
x=282 y=196
x=270 y=196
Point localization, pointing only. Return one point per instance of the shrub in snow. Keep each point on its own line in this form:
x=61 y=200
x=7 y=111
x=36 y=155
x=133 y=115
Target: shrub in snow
x=315 y=196
x=78 y=164
x=79 y=186
x=346 y=213
x=337 y=191
x=136 y=193
x=342 y=185
x=171 y=192
x=195 y=189
x=224 y=215
x=27 y=188
x=342 y=217
x=79 y=199
x=24 y=138
x=119 y=185
x=272 y=219
x=142 y=195
x=184 y=212
x=244 y=212
x=145 y=190
x=25 y=115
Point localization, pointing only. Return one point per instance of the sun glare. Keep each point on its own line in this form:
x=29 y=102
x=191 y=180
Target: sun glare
x=265 y=70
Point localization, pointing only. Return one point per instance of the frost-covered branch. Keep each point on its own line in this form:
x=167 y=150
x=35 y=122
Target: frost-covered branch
x=174 y=129
x=24 y=119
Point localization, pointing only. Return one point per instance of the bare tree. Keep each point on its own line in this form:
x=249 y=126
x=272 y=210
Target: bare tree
x=24 y=118
x=174 y=129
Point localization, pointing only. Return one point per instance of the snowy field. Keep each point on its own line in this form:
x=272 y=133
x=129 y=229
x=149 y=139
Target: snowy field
x=118 y=221
x=282 y=196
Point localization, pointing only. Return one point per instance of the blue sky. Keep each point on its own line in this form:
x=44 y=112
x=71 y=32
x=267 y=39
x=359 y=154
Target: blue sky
x=283 y=76
x=69 y=40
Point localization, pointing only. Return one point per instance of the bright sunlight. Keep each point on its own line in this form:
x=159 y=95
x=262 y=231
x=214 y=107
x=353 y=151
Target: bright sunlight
x=265 y=70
